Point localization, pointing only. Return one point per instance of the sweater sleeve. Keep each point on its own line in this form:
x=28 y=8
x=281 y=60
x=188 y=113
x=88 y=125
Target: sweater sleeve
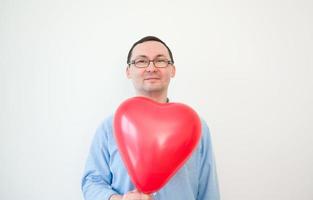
x=208 y=185
x=97 y=178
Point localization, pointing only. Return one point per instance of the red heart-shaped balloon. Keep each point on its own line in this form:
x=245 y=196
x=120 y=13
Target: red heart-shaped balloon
x=155 y=139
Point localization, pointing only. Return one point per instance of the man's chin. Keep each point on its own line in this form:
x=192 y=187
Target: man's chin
x=152 y=88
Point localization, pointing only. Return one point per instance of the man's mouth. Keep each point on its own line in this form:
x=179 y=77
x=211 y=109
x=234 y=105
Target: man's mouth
x=152 y=78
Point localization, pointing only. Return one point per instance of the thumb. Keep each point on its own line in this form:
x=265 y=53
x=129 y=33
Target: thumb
x=134 y=190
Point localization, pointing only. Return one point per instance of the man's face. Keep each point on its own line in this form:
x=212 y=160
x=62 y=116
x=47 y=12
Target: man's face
x=150 y=79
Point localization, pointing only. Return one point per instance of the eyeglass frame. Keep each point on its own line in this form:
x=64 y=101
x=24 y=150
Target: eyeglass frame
x=169 y=62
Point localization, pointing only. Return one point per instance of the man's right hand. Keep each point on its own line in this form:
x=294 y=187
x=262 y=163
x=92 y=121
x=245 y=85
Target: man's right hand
x=132 y=195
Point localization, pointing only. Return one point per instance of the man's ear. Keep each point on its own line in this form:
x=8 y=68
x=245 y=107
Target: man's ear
x=127 y=71
x=173 y=71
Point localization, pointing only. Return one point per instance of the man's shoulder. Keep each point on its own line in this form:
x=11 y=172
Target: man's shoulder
x=205 y=130
x=204 y=124
x=106 y=124
x=108 y=119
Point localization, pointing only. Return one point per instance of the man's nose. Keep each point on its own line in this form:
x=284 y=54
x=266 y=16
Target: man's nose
x=151 y=66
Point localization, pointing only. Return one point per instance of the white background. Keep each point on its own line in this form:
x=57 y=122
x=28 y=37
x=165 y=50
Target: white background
x=245 y=66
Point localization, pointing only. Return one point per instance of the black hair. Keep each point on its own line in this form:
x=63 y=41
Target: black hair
x=146 y=39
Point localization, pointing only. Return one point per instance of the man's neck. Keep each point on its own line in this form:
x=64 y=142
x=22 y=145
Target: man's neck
x=161 y=98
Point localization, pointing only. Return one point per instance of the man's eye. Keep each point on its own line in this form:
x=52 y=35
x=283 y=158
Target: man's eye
x=141 y=61
x=160 y=61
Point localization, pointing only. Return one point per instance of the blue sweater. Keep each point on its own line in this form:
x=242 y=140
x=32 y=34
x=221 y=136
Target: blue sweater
x=105 y=173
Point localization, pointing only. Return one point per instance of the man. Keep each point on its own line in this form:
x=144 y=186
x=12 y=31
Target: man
x=150 y=67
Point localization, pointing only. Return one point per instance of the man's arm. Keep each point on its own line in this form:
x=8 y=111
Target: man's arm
x=96 y=182
x=116 y=197
x=208 y=187
x=132 y=195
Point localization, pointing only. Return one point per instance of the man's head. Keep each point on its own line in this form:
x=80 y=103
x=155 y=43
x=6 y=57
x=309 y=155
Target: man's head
x=150 y=66
x=146 y=39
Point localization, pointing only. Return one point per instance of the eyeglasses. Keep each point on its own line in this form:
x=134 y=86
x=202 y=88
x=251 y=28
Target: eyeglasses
x=145 y=62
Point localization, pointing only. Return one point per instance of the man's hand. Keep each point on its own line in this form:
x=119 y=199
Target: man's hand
x=132 y=195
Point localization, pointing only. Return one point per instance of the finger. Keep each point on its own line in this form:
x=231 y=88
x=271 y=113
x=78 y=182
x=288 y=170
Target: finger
x=131 y=196
x=146 y=196
x=134 y=190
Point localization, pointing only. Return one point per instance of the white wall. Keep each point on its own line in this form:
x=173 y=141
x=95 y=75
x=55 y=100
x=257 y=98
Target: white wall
x=245 y=66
